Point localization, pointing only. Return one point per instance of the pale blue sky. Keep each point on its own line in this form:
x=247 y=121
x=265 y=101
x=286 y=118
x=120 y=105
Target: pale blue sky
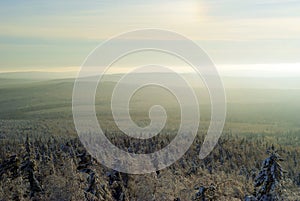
x=58 y=35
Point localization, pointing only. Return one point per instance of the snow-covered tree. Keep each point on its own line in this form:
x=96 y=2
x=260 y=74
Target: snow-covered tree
x=267 y=183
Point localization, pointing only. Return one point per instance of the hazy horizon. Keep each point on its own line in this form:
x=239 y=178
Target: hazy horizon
x=249 y=70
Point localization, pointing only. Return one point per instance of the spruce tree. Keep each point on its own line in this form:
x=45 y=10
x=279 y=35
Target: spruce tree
x=267 y=183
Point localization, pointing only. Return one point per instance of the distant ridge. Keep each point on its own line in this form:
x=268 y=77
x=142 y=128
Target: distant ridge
x=196 y=81
x=37 y=75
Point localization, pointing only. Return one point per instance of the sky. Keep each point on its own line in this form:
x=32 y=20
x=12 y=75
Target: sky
x=250 y=36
